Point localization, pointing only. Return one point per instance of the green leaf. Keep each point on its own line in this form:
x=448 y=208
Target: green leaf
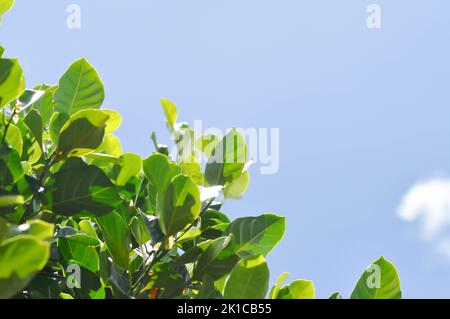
x=11 y=200
x=278 y=285
x=12 y=81
x=379 y=281
x=336 y=295
x=14 y=138
x=249 y=279
x=207 y=144
x=181 y=205
x=80 y=254
x=114 y=120
x=34 y=122
x=157 y=171
x=11 y=169
x=299 y=289
x=39 y=229
x=191 y=167
x=111 y=146
x=5 y=5
x=57 y=122
x=209 y=256
x=73 y=235
x=237 y=188
x=82 y=133
x=171 y=112
x=22 y=255
x=80 y=88
x=116 y=234
x=45 y=105
x=257 y=235
x=82 y=190
x=227 y=160
x=139 y=230
x=132 y=166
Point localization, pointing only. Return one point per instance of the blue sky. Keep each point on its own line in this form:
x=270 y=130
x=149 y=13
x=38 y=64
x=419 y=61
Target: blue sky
x=363 y=114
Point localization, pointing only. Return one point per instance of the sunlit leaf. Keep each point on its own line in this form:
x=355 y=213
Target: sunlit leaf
x=249 y=279
x=379 y=281
x=80 y=88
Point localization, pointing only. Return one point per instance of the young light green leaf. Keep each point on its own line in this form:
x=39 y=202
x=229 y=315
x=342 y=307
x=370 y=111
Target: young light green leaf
x=113 y=122
x=5 y=5
x=379 y=281
x=249 y=279
x=170 y=111
x=132 y=166
x=237 y=188
x=80 y=88
x=228 y=159
x=278 y=285
x=190 y=166
x=299 y=289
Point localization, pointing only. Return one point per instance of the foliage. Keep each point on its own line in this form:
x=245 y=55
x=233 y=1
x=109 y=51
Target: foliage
x=133 y=227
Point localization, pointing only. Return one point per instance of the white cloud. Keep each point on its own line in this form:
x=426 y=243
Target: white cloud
x=429 y=203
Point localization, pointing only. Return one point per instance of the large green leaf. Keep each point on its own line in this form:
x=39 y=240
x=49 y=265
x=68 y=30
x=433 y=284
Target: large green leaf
x=181 y=205
x=12 y=81
x=249 y=279
x=379 y=281
x=117 y=236
x=157 y=171
x=82 y=133
x=22 y=255
x=80 y=254
x=82 y=190
x=79 y=88
x=24 y=250
x=257 y=235
x=228 y=159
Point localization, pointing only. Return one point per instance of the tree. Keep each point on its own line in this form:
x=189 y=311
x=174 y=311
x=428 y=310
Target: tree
x=80 y=219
